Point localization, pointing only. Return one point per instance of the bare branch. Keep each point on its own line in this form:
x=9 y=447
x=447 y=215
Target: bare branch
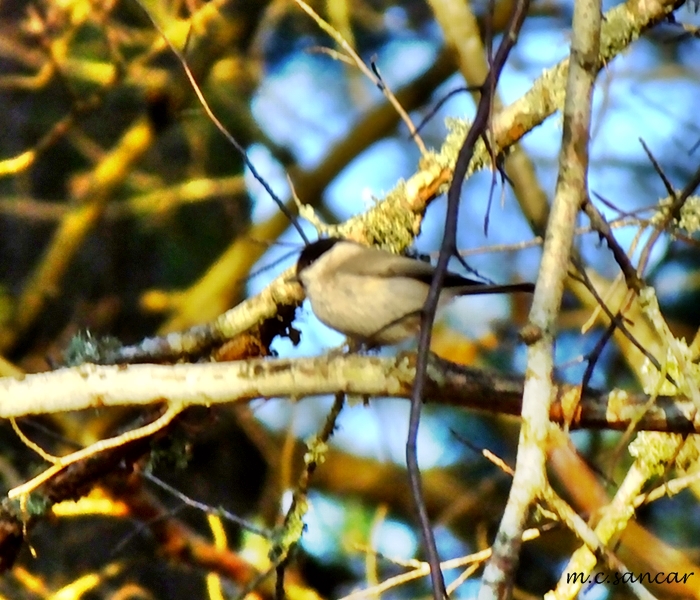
x=530 y=472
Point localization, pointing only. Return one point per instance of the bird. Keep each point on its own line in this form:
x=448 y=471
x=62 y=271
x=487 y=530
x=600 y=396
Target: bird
x=373 y=296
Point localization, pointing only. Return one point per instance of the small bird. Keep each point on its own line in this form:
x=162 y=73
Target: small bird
x=373 y=296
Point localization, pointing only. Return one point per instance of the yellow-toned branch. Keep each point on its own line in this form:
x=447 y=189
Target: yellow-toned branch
x=67 y=240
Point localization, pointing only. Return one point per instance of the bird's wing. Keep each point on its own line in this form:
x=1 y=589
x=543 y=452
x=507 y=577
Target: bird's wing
x=379 y=263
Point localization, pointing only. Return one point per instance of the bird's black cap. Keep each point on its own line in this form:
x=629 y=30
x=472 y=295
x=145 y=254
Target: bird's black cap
x=314 y=251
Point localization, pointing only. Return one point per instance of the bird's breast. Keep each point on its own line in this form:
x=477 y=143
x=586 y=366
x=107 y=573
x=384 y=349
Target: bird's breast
x=382 y=310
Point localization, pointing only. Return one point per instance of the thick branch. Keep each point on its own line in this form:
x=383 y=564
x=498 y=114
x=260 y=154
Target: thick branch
x=92 y=386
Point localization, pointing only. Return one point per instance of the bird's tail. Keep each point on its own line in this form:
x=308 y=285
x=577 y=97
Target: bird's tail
x=493 y=288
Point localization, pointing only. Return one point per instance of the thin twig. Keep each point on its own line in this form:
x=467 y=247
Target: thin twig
x=599 y=224
x=220 y=126
x=617 y=319
x=341 y=41
x=25 y=489
x=671 y=213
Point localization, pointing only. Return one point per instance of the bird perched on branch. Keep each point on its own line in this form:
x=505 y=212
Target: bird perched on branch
x=373 y=296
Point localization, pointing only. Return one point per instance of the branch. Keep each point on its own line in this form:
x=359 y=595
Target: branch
x=93 y=386
x=530 y=477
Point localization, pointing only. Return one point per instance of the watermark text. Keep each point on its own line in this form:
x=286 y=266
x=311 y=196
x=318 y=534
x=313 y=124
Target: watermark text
x=659 y=578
